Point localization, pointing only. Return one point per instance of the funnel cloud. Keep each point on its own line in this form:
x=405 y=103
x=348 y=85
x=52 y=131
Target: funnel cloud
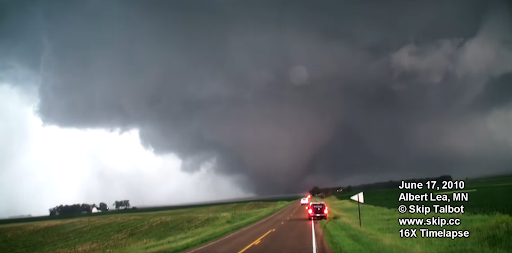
x=283 y=94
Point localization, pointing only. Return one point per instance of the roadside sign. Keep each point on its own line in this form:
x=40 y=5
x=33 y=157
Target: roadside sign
x=360 y=199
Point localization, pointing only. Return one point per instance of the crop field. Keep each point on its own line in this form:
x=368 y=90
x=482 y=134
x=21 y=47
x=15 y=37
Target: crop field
x=487 y=216
x=169 y=231
x=486 y=196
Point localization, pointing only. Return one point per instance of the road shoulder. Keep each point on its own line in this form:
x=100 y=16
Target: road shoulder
x=321 y=242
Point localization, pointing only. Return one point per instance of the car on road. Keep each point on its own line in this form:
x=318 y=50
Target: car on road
x=304 y=201
x=317 y=210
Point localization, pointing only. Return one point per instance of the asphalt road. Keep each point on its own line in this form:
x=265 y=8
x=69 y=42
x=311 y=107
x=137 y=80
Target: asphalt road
x=288 y=230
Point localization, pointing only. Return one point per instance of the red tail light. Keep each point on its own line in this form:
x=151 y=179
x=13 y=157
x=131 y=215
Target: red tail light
x=325 y=211
x=310 y=211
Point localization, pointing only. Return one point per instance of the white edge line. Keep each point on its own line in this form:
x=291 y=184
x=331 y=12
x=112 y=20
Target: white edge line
x=235 y=232
x=313 y=234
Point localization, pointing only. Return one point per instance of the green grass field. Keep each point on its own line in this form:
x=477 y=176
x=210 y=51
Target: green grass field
x=157 y=231
x=487 y=216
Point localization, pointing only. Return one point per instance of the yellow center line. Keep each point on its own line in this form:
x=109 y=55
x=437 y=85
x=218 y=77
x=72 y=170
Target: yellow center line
x=255 y=242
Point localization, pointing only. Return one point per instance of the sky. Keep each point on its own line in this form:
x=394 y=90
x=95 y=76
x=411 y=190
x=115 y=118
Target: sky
x=143 y=100
x=44 y=166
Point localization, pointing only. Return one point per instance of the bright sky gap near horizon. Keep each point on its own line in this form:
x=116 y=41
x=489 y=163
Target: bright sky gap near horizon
x=68 y=166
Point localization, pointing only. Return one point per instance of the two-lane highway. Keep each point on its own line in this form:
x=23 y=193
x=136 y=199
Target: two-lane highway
x=288 y=230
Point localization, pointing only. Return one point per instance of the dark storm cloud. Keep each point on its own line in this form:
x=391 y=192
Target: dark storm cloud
x=280 y=92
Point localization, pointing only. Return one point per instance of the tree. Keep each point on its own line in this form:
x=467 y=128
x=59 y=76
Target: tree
x=314 y=191
x=71 y=209
x=349 y=188
x=103 y=207
x=121 y=203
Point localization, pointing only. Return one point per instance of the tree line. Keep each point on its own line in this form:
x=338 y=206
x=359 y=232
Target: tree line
x=87 y=208
x=325 y=192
